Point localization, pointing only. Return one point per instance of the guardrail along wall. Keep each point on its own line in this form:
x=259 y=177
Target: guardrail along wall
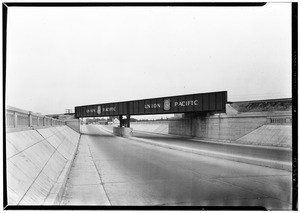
x=17 y=118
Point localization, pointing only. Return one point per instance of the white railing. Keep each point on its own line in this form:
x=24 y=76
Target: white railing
x=17 y=118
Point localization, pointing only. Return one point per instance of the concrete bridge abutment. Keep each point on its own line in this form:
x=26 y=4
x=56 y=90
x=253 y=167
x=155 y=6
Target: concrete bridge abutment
x=273 y=127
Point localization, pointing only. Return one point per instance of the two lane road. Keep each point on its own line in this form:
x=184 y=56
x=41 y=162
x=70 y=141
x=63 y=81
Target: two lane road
x=136 y=173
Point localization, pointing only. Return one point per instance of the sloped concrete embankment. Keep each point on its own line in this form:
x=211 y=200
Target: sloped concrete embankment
x=240 y=130
x=264 y=123
x=269 y=135
x=38 y=162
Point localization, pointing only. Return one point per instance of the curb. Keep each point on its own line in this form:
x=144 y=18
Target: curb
x=56 y=193
x=238 y=158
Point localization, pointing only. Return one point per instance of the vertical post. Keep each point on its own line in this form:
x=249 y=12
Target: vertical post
x=128 y=121
x=128 y=115
x=30 y=120
x=121 y=120
x=16 y=119
x=80 y=123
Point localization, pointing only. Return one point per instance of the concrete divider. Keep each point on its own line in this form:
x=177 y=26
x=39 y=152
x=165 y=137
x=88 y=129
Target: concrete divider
x=160 y=128
x=38 y=162
x=122 y=131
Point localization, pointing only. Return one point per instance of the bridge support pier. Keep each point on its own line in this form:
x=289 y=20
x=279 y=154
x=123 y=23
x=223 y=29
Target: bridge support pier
x=121 y=120
x=128 y=121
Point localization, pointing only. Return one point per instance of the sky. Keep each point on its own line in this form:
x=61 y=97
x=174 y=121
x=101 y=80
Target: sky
x=59 y=58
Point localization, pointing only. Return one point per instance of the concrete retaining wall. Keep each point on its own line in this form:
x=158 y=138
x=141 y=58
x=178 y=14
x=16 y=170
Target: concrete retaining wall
x=257 y=128
x=38 y=162
x=220 y=128
x=73 y=124
x=244 y=128
x=161 y=127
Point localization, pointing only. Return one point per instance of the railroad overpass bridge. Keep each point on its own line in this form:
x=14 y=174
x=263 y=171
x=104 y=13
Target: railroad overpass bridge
x=50 y=164
x=204 y=115
x=214 y=102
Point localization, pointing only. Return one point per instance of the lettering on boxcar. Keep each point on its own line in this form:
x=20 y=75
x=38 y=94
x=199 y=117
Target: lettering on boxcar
x=152 y=106
x=109 y=109
x=186 y=103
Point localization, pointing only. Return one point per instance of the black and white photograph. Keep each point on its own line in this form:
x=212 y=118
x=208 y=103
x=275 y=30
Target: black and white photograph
x=150 y=105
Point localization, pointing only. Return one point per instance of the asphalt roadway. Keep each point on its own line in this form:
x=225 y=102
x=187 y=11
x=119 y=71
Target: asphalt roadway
x=269 y=153
x=110 y=170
